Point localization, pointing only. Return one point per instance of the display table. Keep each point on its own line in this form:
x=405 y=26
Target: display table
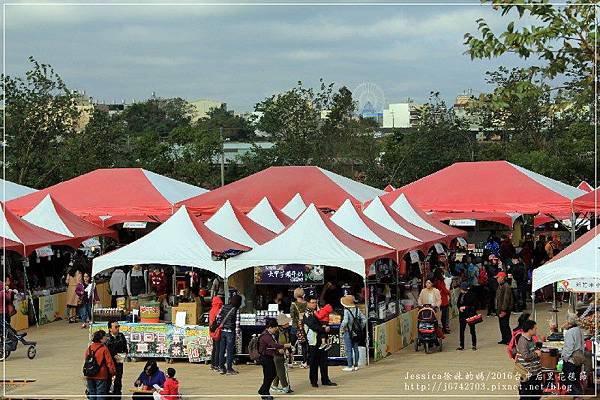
x=162 y=340
x=394 y=335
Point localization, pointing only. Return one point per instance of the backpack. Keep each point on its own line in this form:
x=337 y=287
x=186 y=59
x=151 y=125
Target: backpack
x=253 y=351
x=90 y=366
x=512 y=345
x=483 y=276
x=357 y=333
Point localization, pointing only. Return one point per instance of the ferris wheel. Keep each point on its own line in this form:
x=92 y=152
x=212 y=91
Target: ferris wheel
x=370 y=98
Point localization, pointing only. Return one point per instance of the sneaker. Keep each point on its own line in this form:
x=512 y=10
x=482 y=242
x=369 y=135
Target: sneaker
x=329 y=384
x=460 y=348
x=275 y=389
x=474 y=348
x=232 y=372
x=356 y=368
x=348 y=369
x=222 y=372
x=304 y=365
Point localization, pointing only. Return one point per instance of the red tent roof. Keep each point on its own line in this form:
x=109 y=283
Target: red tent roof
x=588 y=202
x=280 y=184
x=23 y=237
x=497 y=186
x=389 y=188
x=586 y=187
x=124 y=194
x=51 y=215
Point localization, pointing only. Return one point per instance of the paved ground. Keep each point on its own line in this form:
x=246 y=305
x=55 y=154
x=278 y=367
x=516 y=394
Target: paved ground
x=481 y=374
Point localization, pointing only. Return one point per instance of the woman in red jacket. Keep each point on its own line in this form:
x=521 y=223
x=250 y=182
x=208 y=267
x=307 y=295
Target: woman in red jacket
x=440 y=285
x=97 y=385
x=217 y=304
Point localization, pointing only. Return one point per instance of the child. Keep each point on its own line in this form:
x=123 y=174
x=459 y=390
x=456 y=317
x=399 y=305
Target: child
x=323 y=316
x=171 y=387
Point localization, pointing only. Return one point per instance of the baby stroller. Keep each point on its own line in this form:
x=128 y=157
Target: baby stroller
x=427 y=329
x=9 y=340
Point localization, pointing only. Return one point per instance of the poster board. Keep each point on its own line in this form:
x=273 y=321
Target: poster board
x=289 y=274
x=579 y=285
x=52 y=307
x=148 y=340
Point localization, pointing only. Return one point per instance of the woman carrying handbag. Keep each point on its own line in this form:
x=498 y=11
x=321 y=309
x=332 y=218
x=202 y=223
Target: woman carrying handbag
x=466 y=311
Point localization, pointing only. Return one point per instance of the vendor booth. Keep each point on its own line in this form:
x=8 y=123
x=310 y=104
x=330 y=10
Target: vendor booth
x=181 y=242
x=576 y=270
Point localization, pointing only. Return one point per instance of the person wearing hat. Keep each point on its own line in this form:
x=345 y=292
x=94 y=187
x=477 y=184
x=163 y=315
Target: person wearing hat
x=466 y=308
x=282 y=336
x=353 y=325
x=504 y=304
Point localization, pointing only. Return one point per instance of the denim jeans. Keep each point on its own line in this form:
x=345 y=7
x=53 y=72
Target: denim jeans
x=85 y=312
x=444 y=316
x=352 y=355
x=97 y=389
x=227 y=344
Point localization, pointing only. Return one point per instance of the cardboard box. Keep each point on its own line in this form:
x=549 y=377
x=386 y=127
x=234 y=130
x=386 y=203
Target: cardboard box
x=193 y=312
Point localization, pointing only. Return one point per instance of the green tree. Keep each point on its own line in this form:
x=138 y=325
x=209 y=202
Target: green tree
x=234 y=127
x=562 y=38
x=41 y=114
x=157 y=115
x=439 y=140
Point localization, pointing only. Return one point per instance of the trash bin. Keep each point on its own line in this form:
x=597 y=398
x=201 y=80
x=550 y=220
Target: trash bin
x=362 y=356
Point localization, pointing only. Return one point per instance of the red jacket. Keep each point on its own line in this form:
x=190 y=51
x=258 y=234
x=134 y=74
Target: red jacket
x=170 y=389
x=217 y=303
x=323 y=313
x=5 y=298
x=444 y=292
x=104 y=359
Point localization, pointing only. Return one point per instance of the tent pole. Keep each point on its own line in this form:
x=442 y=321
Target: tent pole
x=533 y=305
x=367 y=314
x=573 y=222
x=93 y=300
x=28 y=288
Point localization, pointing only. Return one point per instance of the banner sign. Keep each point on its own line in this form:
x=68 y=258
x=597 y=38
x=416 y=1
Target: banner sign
x=45 y=251
x=165 y=340
x=289 y=274
x=50 y=308
x=134 y=225
x=581 y=285
x=463 y=222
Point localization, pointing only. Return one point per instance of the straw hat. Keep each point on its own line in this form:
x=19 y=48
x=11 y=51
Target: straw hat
x=283 y=319
x=348 y=301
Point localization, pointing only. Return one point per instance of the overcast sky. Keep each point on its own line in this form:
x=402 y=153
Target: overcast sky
x=241 y=54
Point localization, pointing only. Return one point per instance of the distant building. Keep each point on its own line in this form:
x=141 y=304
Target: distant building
x=234 y=150
x=203 y=106
x=85 y=107
x=402 y=115
x=112 y=109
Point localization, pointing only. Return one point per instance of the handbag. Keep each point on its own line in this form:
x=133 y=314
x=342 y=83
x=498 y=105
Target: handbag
x=521 y=372
x=475 y=319
x=11 y=309
x=216 y=334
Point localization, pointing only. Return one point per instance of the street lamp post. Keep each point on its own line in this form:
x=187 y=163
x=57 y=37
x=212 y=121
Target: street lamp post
x=222 y=157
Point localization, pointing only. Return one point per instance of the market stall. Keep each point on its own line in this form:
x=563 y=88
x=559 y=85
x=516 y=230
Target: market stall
x=315 y=245
x=181 y=242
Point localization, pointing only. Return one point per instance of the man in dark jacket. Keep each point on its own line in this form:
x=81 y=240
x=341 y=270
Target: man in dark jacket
x=504 y=304
x=228 y=319
x=507 y=250
x=492 y=270
x=117 y=346
x=519 y=273
x=317 y=357
x=466 y=308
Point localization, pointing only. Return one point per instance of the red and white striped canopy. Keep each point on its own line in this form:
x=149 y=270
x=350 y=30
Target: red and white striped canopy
x=313 y=239
x=587 y=202
x=234 y=225
x=269 y=217
x=497 y=186
x=51 y=215
x=181 y=240
x=325 y=189
x=24 y=238
x=586 y=187
x=112 y=196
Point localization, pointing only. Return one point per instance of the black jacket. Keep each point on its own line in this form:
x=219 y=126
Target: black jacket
x=469 y=301
x=230 y=322
x=116 y=344
x=311 y=321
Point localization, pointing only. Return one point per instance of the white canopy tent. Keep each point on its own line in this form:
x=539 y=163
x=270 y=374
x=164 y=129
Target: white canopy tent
x=579 y=260
x=182 y=240
x=266 y=216
x=377 y=212
x=12 y=190
x=313 y=239
x=403 y=208
x=294 y=207
x=347 y=218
